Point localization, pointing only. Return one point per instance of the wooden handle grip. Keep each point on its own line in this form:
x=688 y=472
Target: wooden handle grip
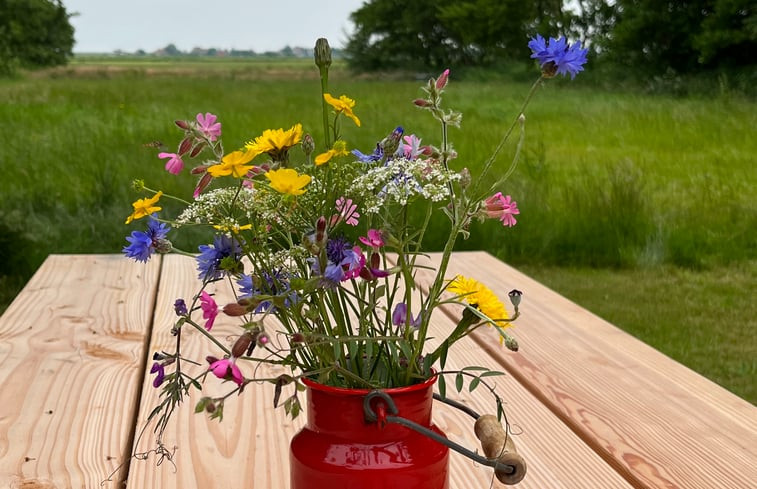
x=497 y=445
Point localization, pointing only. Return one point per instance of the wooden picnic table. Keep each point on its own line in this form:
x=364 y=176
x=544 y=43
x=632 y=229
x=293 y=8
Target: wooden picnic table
x=590 y=406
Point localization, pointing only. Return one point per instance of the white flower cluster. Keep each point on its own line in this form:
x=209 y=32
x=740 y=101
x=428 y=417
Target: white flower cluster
x=215 y=207
x=400 y=180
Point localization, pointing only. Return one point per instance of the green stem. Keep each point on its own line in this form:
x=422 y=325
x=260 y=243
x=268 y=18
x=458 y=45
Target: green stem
x=324 y=71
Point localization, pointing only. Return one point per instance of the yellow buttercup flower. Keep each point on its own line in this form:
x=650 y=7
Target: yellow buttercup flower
x=339 y=149
x=287 y=181
x=234 y=164
x=481 y=297
x=144 y=207
x=342 y=105
x=276 y=142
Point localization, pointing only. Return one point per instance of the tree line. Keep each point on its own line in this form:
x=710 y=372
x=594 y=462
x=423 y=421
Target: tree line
x=646 y=36
x=649 y=36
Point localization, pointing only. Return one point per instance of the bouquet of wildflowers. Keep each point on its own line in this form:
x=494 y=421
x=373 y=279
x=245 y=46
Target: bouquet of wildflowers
x=322 y=247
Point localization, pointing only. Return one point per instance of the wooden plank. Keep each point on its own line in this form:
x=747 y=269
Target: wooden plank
x=71 y=358
x=659 y=423
x=250 y=447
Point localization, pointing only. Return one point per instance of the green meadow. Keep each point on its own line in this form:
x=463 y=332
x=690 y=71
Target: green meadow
x=640 y=207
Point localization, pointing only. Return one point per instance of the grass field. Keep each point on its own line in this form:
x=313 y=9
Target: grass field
x=640 y=207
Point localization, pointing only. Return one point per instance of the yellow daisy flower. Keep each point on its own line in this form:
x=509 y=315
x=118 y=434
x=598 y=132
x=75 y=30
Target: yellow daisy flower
x=234 y=164
x=343 y=105
x=144 y=207
x=287 y=181
x=276 y=142
x=481 y=297
x=339 y=149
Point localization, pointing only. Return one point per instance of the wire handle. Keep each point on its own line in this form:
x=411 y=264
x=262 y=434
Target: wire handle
x=497 y=445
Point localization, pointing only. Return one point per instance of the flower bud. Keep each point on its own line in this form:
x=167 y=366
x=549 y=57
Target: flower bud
x=298 y=338
x=263 y=339
x=185 y=145
x=322 y=53
x=234 y=309
x=308 y=145
x=465 y=178
x=375 y=260
x=138 y=185
x=549 y=69
x=240 y=346
x=211 y=359
x=511 y=343
x=197 y=149
x=390 y=143
x=182 y=124
x=320 y=231
x=515 y=296
x=441 y=82
x=163 y=245
x=421 y=102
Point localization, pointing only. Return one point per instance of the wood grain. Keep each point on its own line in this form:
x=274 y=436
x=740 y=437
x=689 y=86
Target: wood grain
x=71 y=359
x=659 y=423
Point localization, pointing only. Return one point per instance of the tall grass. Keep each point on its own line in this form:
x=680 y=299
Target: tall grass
x=606 y=179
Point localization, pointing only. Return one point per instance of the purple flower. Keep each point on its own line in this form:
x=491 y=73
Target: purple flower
x=411 y=148
x=208 y=126
x=557 y=57
x=144 y=243
x=180 y=307
x=209 y=260
x=174 y=164
x=275 y=283
x=400 y=317
x=344 y=262
x=157 y=368
x=503 y=208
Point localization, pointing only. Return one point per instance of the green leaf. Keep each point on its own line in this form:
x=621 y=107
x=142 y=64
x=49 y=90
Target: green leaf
x=200 y=406
x=442 y=387
x=475 y=368
x=473 y=384
x=459 y=381
x=443 y=355
x=491 y=373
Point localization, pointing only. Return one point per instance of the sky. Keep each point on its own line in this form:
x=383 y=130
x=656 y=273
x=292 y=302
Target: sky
x=260 y=25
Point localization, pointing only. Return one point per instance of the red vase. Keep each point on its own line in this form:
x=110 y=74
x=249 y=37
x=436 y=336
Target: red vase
x=339 y=449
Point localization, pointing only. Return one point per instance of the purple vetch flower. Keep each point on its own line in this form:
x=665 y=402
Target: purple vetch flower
x=180 y=307
x=557 y=57
x=400 y=316
x=159 y=369
x=145 y=243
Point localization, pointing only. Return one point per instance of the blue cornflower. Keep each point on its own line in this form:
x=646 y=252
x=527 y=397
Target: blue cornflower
x=343 y=262
x=144 y=243
x=557 y=57
x=276 y=283
x=209 y=260
x=377 y=154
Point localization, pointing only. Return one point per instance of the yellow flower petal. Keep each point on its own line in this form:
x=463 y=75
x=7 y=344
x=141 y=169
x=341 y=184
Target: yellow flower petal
x=343 y=105
x=287 y=181
x=144 y=207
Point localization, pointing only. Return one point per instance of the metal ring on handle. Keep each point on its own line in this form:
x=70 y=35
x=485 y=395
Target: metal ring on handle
x=372 y=417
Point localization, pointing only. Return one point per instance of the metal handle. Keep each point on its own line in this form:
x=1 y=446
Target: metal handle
x=509 y=467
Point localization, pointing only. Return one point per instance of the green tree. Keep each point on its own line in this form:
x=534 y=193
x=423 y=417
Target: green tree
x=685 y=36
x=434 y=34
x=34 y=33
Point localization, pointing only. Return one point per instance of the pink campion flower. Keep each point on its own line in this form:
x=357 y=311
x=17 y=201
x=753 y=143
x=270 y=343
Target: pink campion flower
x=209 y=309
x=174 y=164
x=352 y=267
x=374 y=239
x=347 y=211
x=227 y=367
x=208 y=125
x=411 y=148
x=503 y=208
